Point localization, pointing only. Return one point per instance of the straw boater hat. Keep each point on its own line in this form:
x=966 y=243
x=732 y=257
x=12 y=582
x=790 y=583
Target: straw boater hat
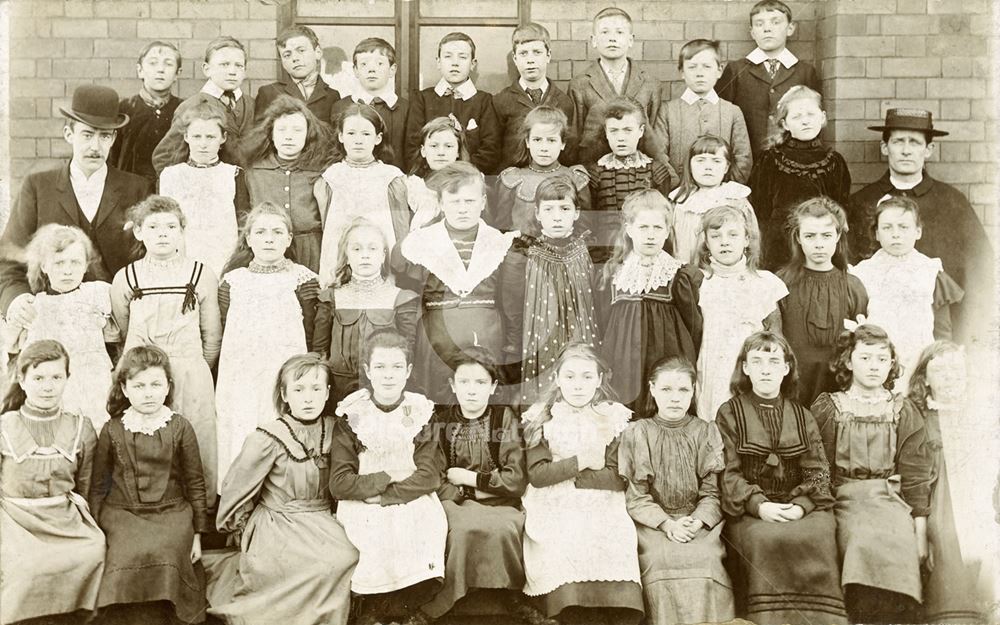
x=97 y=107
x=909 y=119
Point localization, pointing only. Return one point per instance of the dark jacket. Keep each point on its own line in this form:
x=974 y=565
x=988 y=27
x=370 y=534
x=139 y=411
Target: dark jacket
x=320 y=102
x=512 y=105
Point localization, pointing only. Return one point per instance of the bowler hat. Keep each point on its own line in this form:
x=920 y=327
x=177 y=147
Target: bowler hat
x=96 y=106
x=909 y=119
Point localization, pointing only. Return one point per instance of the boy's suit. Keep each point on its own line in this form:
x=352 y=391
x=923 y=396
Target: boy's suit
x=320 y=102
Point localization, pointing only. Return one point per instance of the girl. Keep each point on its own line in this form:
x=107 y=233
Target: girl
x=672 y=462
x=442 y=141
x=148 y=495
x=579 y=541
x=267 y=304
x=73 y=312
x=795 y=166
x=881 y=474
x=287 y=152
x=821 y=294
x=210 y=189
x=358 y=185
x=705 y=183
x=362 y=301
x=52 y=554
x=168 y=300
x=776 y=494
x=295 y=561
x=545 y=130
x=736 y=299
x=654 y=307
x=387 y=467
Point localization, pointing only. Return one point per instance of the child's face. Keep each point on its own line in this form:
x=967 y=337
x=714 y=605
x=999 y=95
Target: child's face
x=648 y=232
x=556 y=217
x=672 y=391
x=766 y=370
x=818 y=237
x=158 y=70
x=388 y=371
x=578 y=380
x=299 y=58
x=946 y=376
x=709 y=170
x=268 y=238
x=161 y=233
x=702 y=71
x=907 y=151
x=91 y=146
x=65 y=269
x=440 y=149
x=44 y=383
x=455 y=62
x=612 y=37
x=365 y=252
x=374 y=71
x=804 y=119
x=770 y=30
x=624 y=134
x=289 y=135
x=204 y=138
x=870 y=365
x=532 y=60
x=463 y=206
x=226 y=68
x=473 y=387
x=897 y=231
x=306 y=396
x=147 y=390
x=727 y=243
x=359 y=139
x=545 y=143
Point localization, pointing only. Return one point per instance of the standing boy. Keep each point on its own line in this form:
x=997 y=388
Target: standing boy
x=300 y=54
x=757 y=82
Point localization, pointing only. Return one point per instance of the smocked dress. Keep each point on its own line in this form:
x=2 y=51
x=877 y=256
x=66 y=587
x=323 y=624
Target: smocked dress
x=268 y=314
x=514 y=205
x=294 y=562
x=52 y=551
x=174 y=305
x=672 y=469
x=688 y=214
x=148 y=495
x=579 y=541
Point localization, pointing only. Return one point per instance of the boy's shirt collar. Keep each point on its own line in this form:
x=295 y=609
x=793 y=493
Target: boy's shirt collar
x=307 y=86
x=901 y=185
x=213 y=90
x=616 y=77
x=465 y=90
x=786 y=57
x=690 y=97
x=387 y=95
x=524 y=85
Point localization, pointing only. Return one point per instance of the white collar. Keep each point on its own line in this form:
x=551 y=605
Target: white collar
x=465 y=90
x=786 y=57
x=613 y=161
x=95 y=179
x=902 y=186
x=690 y=97
x=432 y=248
x=138 y=423
x=544 y=86
x=213 y=90
x=633 y=278
x=388 y=96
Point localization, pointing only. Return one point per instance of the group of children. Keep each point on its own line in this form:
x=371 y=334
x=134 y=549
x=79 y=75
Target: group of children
x=580 y=381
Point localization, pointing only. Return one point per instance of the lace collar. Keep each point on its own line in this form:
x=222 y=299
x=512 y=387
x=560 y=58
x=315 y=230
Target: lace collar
x=633 y=161
x=701 y=201
x=433 y=249
x=277 y=267
x=138 y=423
x=632 y=277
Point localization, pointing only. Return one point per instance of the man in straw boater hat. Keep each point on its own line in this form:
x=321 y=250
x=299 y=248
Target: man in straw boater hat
x=85 y=193
x=951 y=230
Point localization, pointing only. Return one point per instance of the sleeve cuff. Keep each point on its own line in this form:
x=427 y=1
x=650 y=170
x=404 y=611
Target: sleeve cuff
x=483 y=481
x=805 y=503
x=709 y=520
x=753 y=504
x=381 y=481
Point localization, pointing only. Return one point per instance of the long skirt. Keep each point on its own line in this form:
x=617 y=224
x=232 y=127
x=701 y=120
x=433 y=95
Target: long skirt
x=788 y=571
x=194 y=398
x=684 y=582
x=51 y=557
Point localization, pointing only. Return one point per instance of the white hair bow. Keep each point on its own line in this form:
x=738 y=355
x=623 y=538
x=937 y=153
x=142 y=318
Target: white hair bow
x=852 y=326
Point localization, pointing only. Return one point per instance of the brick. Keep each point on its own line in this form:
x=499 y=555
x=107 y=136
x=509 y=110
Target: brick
x=873 y=68
x=123 y=28
x=983 y=152
x=911 y=6
x=960 y=173
x=956 y=109
x=22 y=68
x=109 y=8
x=855 y=88
x=910 y=24
x=60 y=149
x=117 y=48
x=658 y=30
x=23 y=148
x=865 y=46
x=264 y=49
x=80 y=8
x=954 y=152
x=250 y=30
x=122 y=68
x=956 y=24
x=47 y=8
x=957 y=6
x=843 y=67
x=957 y=68
x=163 y=10
x=88 y=68
x=866 y=7
x=40 y=87
x=36 y=48
x=22 y=107
x=680 y=12
x=845 y=24
x=79 y=28
x=79 y=48
x=967 y=130
x=920 y=67
x=933 y=106
x=43 y=147
x=175 y=29
x=698 y=30
x=845 y=109
x=911 y=88
x=262 y=11
x=199 y=9
x=873 y=109
x=981 y=109
x=955 y=88
x=206 y=29
x=35 y=128
x=565 y=30
x=873 y=25
x=580 y=31
x=569 y=49
x=911 y=46
x=983 y=194
x=956 y=45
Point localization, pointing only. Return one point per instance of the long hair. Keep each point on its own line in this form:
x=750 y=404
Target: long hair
x=293 y=369
x=670 y=364
x=765 y=341
x=635 y=203
x=342 y=273
x=822 y=206
x=317 y=153
x=31 y=356
x=705 y=144
x=439 y=124
x=207 y=108
x=779 y=135
x=48 y=241
x=716 y=218
x=153 y=205
x=539 y=115
x=919 y=389
x=866 y=334
x=243 y=254
x=134 y=362
x=387 y=338
x=383 y=151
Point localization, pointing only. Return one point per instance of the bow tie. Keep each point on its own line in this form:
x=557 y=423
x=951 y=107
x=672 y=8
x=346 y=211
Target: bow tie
x=450 y=92
x=228 y=98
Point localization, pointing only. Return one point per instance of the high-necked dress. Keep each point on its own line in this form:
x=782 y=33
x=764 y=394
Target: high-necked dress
x=787 y=573
x=295 y=562
x=514 y=205
x=485 y=522
x=689 y=211
x=267 y=313
x=672 y=468
x=148 y=495
x=174 y=305
x=52 y=551
x=579 y=540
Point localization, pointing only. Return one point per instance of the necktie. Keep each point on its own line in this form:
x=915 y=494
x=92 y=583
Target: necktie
x=451 y=93
x=229 y=99
x=771 y=65
x=535 y=95
x=376 y=101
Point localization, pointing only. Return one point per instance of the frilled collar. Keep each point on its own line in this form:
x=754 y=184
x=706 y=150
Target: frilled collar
x=794 y=144
x=633 y=161
x=137 y=423
x=690 y=97
x=433 y=249
x=736 y=269
x=277 y=267
x=635 y=279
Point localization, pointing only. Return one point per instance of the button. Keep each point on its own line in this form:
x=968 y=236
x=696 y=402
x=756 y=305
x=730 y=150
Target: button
x=287 y=206
x=772 y=90
x=286 y=188
x=289 y=173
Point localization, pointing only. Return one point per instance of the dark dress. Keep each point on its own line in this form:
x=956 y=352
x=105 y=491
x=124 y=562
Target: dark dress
x=147 y=124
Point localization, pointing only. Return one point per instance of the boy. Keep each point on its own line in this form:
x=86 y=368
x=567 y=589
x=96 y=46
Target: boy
x=300 y=54
x=611 y=76
x=757 y=82
x=700 y=111
x=225 y=67
x=532 y=88
x=455 y=95
x=375 y=68
x=149 y=112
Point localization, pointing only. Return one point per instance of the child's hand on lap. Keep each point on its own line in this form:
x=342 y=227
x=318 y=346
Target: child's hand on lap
x=780 y=512
x=461 y=477
x=196 y=549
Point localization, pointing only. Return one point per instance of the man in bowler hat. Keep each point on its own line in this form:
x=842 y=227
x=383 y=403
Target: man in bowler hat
x=85 y=193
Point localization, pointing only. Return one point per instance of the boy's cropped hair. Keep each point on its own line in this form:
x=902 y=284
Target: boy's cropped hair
x=620 y=107
x=456 y=36
x=695 y=47
x=771 y=5
x=160 y=44
x=612 y=12
x=454 y=176
x=556 y=188
x=526 y=33
x=377 y=44
x=297 y=31
x=221 y=43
